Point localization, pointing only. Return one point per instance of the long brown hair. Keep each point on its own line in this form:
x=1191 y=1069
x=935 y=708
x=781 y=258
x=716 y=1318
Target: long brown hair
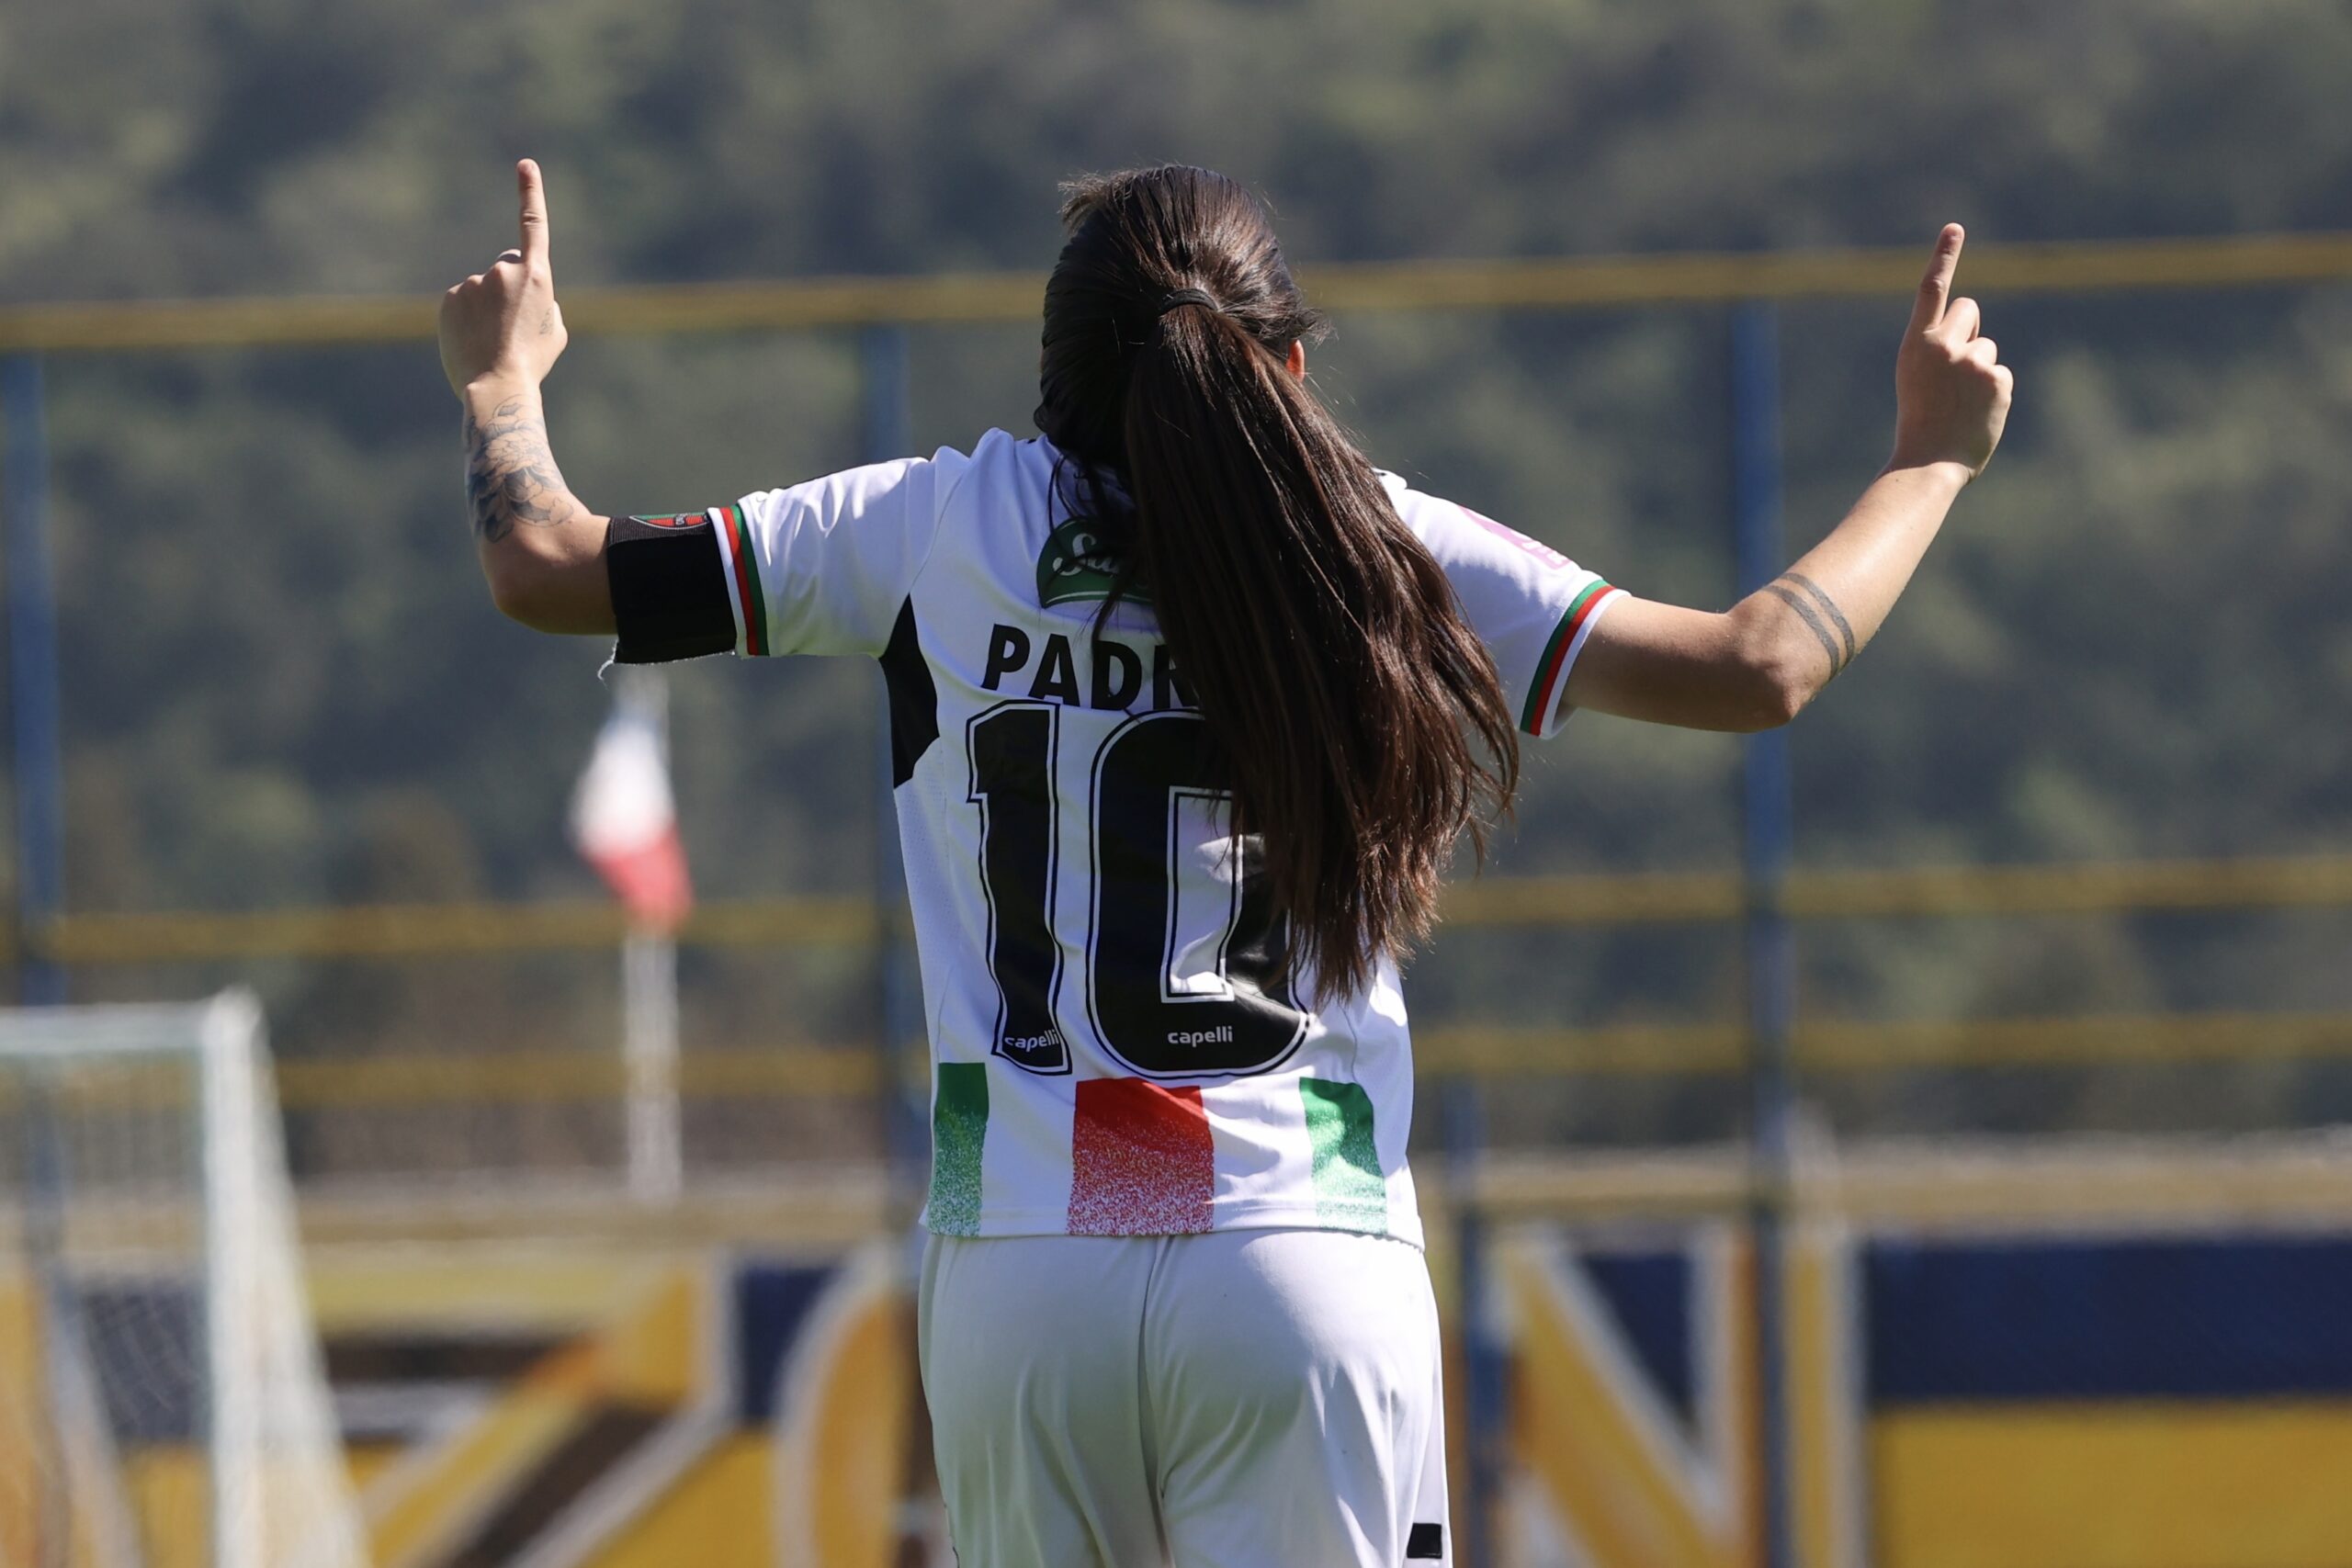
x=1359 y=718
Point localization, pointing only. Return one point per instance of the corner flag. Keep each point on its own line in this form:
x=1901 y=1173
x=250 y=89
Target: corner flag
x=623 y=817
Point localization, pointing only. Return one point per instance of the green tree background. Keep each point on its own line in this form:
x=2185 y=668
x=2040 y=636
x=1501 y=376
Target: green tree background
x=286 y=687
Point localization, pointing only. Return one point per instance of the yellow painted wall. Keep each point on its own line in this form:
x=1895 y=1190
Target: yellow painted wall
x=469 y=1475
x=1575 y=1430
x=20 y=1390
x=718 y=1515
x=834 y=1482
x=856 y=1450
x=2156 y=1485
x=169 y=1491
x=1822 y=1421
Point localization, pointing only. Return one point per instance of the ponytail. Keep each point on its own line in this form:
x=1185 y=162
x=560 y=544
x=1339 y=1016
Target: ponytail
x=1358 y=717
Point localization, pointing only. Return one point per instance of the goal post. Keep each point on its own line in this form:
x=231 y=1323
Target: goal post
x=163 y=1399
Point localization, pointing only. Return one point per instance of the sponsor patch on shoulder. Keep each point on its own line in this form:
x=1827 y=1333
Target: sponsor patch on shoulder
x=1074 y=567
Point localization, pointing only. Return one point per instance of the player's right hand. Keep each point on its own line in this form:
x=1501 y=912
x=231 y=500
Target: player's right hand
x=1951 y=391
x=504 y=322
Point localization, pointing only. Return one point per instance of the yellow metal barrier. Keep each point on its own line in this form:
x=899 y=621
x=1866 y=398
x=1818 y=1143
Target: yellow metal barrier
x=2290 y=1180
x=1638 y=898
x=545 y=1075
x=1627 y=1050
x=1849 y=1046
x=1559 y=284
x=417 y=931
x=565 y=1075
x=2071 y=1041
x=413 y=932
x=2115 y=888
x=2112 y=887
x=2286 y=1178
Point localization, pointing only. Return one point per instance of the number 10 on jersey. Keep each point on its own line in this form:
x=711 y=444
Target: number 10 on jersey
x=1237 y=1015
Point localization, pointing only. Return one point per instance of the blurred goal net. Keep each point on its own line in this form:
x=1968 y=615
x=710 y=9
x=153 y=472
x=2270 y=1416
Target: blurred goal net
x=162 y=1401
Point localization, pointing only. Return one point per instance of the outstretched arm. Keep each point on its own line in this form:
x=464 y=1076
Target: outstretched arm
x=501 y=330
x=1759 y=663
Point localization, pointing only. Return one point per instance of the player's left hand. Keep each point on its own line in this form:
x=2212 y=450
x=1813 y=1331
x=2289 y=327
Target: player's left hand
x=504 y=322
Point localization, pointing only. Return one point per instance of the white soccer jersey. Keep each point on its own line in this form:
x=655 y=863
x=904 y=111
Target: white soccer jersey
x=1113 y=1052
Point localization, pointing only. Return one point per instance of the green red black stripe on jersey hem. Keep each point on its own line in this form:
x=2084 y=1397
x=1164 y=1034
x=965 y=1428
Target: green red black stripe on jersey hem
x=751 y=605
x=1143 y=1162
x=1559 y=653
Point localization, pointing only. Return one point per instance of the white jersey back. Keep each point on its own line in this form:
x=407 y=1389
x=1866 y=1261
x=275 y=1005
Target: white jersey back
x=1115 y=1051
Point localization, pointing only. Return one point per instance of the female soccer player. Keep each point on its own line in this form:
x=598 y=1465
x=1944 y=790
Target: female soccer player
x=1189 y=704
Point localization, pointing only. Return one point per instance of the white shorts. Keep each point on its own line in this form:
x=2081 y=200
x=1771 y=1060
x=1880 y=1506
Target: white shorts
x=1233 y=1400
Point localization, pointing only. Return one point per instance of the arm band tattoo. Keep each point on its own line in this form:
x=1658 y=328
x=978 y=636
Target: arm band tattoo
x=511 y=475
x=1813 y=623
x=1828 y=607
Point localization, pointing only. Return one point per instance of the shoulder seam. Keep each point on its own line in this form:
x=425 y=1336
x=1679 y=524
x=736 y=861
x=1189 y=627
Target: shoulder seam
x=939 y=510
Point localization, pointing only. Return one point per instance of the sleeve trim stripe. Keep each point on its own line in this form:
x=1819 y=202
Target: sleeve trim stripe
x=1560 y=653
x=743 y=577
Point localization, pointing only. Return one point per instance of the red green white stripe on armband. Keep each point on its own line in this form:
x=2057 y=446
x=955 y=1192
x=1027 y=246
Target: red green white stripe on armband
x=743 y=576
x=1560 y=653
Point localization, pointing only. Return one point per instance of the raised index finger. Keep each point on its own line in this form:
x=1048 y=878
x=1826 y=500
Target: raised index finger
x=535 y=213
x=1936 y=287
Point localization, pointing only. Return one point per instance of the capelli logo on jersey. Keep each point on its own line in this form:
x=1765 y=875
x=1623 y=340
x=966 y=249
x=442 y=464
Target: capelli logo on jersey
x=1031 y=1045
x=1221 y=1035
x=1073 y=568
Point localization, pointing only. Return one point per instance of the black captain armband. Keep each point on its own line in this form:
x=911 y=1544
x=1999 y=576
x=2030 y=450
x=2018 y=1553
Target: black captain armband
x=669 y=589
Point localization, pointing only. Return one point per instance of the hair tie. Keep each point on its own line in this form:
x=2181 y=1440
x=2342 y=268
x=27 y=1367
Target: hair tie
x=1176 y=297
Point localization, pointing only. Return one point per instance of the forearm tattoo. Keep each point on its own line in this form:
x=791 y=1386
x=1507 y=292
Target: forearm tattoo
x=1821 y=615
x=511 y=475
